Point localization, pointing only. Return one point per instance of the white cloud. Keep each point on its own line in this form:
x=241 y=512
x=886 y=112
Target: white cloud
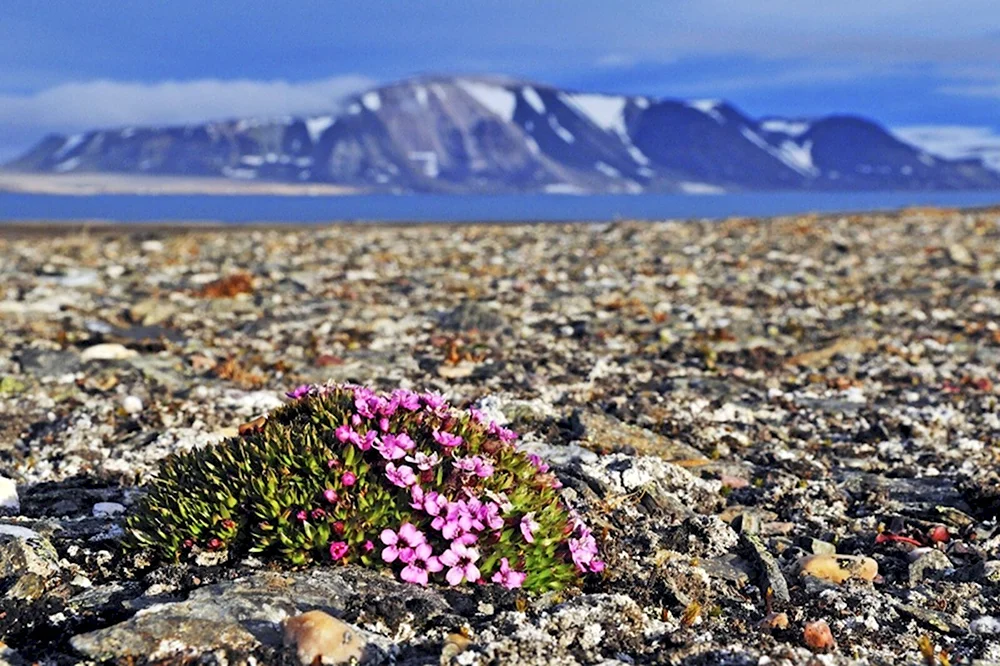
x=75 y=107
x=955 y=141
x=96 y=104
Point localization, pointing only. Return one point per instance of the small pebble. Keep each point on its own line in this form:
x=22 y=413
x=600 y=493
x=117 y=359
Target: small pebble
x=107 y=352
x=775 y=621
x=107 y=509
x=837 y=568
x=818 y=637
x=8 y=494
x=321 y=638
x=132 y=404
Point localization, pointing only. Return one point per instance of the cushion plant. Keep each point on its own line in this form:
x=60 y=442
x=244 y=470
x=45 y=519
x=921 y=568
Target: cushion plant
x=344 y=474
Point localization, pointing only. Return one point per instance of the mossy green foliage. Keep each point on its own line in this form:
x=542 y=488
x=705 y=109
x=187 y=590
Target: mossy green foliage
x=343 y=474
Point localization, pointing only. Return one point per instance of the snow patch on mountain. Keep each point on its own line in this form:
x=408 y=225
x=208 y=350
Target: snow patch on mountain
x=782 y=126
x=372 y=101
x=71 y=143
x=699 y=188
x=605 y=111
x=497 y=99
x=560 y=131
x=955 y=142
x=789 y=153
x=317 y=125
x=607 y=170
x=710 y=108
x=420 y=94
x=531 y=96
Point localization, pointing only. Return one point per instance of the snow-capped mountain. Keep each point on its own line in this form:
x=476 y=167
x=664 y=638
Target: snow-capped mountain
x=468 y=134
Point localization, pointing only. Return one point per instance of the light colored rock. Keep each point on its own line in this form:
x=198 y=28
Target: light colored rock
x=132 y=404
x=926 y=560
x=818 y=637
x=837 y=568
x=108 y=509
x=321 y=638
x=8 y=495
x=107 y=352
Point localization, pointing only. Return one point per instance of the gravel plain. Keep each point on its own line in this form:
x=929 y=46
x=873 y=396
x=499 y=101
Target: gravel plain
x=734 y=406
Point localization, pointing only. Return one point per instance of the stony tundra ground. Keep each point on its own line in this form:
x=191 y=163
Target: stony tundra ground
x=734 y=406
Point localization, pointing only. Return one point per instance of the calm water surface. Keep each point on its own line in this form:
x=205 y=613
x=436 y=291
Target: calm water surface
x=451 y=208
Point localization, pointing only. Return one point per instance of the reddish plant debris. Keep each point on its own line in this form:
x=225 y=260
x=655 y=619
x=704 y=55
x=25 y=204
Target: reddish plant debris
x=229 y=286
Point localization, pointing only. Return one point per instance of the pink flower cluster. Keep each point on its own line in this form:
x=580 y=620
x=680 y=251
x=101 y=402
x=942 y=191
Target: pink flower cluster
x=456 y=528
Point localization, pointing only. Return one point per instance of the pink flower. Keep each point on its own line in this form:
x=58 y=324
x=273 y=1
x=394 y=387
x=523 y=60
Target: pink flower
x=371 y=438
x=538 y=463
x=528 y=527
x=507 y=576
x=584 y=553
x=318 y=513
x=408 y=400
x=368 y=546
x=504 y=434
x=423 y=562
x=338 y=549
x=330 y=495
x=430 y=503
x=475 y=465
x=446 y=439
x=462 y=560
x=348 y=479
x=409 y=537
x=401 y=476
x=490 y=514
x=476 y=415
x=394 y=447
x=434 y=402
x=299 y=391
x=302 y=515
x=423 y=461
x=346 y=434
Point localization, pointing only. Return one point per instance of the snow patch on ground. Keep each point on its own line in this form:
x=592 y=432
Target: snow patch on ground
x=316 y=126
x=709 y=108
x=372 y=101
x=533 y=99
x=607 y=112
x=497 y=99
x=782 y=126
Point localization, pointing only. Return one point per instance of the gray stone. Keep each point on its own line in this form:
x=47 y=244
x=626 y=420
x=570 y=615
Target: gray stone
x=768 y=572
x=246 y=613
x=473 y=316
x=931 y=560
x=48 y=362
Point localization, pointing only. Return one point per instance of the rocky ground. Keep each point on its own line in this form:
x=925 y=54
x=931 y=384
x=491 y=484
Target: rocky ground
x=731 y=405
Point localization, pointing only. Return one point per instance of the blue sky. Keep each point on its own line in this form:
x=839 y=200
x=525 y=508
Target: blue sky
x=71 y=65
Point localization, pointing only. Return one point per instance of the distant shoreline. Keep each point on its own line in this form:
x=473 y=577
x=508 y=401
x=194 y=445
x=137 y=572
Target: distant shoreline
x=89 y=184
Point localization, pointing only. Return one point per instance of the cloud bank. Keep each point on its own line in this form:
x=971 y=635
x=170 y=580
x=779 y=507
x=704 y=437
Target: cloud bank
x=955 y=141
x=74 y=107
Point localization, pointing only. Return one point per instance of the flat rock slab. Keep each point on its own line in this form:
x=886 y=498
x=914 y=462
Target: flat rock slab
x=238 y=615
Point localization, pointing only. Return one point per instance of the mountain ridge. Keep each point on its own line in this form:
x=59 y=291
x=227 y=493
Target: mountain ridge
x=495 y=134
